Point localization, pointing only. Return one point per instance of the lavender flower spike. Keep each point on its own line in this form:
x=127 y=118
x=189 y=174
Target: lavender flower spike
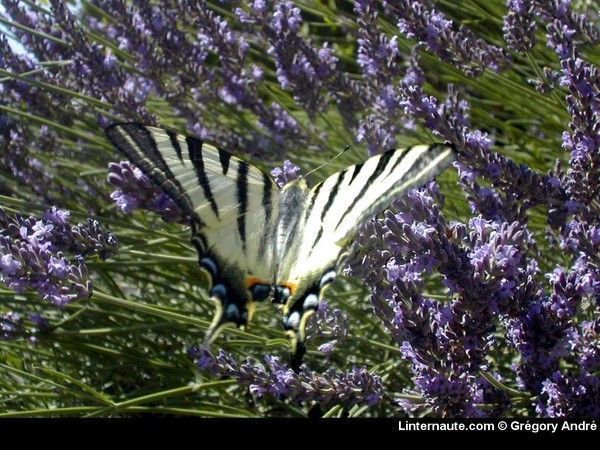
x=276 y=380
x=135 y=190
x=48 y=255
x=455 y=44
x=519 y=25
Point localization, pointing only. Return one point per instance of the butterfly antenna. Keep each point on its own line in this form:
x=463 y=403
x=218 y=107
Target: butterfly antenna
x=328 y=162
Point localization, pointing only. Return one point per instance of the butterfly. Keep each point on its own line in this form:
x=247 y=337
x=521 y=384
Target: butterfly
x=257 y=241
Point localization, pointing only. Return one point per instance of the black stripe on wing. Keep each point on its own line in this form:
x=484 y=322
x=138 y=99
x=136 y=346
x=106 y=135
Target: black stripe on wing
x=429 y=162
x=195 y=155
x=268 y=207
x=330 y=199
x=224 y=158
x=242 y=197
x=138 y=145
x=175 y=143
x=313 y=199
x=381 y=166
x=356 y=171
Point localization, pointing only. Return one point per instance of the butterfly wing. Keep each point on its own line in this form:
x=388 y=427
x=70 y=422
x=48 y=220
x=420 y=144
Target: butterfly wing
x=333 y=211
x=232 y=207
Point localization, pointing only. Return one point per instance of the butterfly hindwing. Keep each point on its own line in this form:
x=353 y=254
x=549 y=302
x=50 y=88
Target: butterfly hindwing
x=232 y=205
x=333 y=212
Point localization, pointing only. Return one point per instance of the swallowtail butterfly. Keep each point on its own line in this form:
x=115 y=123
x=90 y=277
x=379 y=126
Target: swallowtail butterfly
x=257 y=241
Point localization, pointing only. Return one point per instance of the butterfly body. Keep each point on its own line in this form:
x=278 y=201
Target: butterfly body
x=256 y=241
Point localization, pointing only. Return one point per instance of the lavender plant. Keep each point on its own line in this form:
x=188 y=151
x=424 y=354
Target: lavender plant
x=477 y=295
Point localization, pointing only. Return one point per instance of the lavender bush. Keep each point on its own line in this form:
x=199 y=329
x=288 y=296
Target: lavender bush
x=475 y=296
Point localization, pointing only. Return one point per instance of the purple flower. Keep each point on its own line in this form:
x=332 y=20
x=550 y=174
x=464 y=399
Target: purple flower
x=331 y=324
x=450 y=120
x=58 y=216
x=287 y=173
x=583 y=141
x=125 y=202
x=328 y=347
x=485 y=265
x=589 y=346
x=9 y=265
x=564 y=396
x=277 y=380
x=34 y=254
x=135 y=190
x=448 y=396
x=310 y=72
x=136 y=88
x=58 y=267
x=297 y=70
x=378 y=54
x=20 y=146
x=454 y=44
x=544 y=330
x=519 y=25
x=378 y=133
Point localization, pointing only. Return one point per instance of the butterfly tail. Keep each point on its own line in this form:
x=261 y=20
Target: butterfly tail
x=297 y=312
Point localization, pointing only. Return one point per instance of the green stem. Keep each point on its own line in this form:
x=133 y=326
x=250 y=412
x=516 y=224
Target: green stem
x=75 y=410
x=161 y=395
x=333 y=412
x=142 y=307
x=112 y=330
x=53 y=88
x=37 y=33
x=73 y=131
x=498 y=385
x=163 y=257
x=378 y=344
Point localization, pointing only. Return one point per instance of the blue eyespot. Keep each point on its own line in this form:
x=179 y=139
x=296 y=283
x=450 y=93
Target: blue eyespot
x=219 y=291
x=232 y=313
x=260 y=292
x=210 y=265
x=328 y=277
x=310 y=302
x=292 y=322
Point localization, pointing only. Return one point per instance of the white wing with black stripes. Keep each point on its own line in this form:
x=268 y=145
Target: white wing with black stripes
x=332 y=213
x=256 y=241
x=232 y=205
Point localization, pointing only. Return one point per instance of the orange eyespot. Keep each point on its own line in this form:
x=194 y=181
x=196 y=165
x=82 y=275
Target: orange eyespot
x=251 y=281
x=259 y=289
x=292 y=286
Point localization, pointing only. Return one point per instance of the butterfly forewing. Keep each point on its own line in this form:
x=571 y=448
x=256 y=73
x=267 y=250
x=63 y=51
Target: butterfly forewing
x=337 y=206
x=208 y=183
x=335 y=209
